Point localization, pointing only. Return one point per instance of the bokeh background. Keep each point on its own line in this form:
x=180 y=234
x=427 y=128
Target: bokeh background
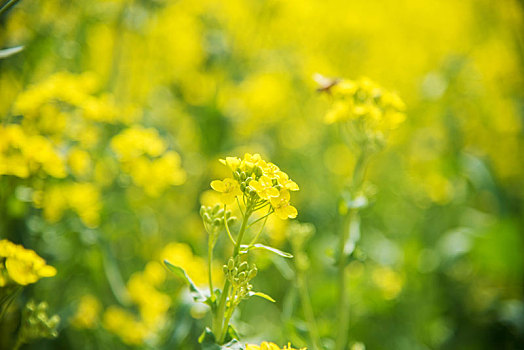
x=114 y=115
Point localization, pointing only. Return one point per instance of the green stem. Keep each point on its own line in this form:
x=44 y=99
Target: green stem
x=219 y=324
x=226 y=225
x=210 y=247
x=7 y=6
x=260 y=218
x=351 y=216
x=18 y=343
x=308 y=310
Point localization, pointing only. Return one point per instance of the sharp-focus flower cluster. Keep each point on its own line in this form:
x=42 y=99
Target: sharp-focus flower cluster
x=21 y=266
x=270 y=346
x=370 y=109
x=258 y=183
x=239 y=274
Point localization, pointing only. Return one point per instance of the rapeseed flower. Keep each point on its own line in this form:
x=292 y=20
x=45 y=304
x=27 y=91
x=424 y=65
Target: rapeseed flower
x=258 y=183
x=270 y=346
x=282 y=207
x=21 y=266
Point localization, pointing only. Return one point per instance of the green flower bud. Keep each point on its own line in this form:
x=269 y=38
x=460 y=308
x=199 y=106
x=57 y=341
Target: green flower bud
x=242 y=276
x=217 y=222
x=253 y=272
x=230 y=264
x=243 y=266
x=225 y=269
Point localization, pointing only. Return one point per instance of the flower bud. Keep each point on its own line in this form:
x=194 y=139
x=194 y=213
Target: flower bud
x=253 y=272
x=243 y=266
x=242 y=276
x=230 y=264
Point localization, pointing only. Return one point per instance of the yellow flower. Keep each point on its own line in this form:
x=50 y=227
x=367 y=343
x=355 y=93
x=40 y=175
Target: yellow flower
x=229 y=189
x=264 y=187
x=286 y=182
x=125 y=325
x=250 y=161
x=86 y=315
x=232 y=162
x=23 y=266
x=269 y=346
x=282 y=207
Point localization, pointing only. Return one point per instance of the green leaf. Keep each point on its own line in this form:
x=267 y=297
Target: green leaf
x=182 y=274
x=232 y=333
x=262 y=295
x=4 y=53
x=208 y=341
x=246 y=248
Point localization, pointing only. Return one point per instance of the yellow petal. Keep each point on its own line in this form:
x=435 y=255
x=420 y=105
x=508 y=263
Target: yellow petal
x=218 y=186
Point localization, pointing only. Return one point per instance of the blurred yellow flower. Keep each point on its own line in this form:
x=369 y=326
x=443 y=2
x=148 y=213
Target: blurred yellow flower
x=125 y=325
x=86 y=315
x=23 y=266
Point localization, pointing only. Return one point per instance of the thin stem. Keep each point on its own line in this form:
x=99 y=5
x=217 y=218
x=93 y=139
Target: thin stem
x=261 y=228
x=239 y=206
x=343 y=298
x=229 y=314
x=260 y=218
x=7 y=6
x=227 y=228
x=7 y=302
x=308 y=310
x=210 y=247
x=218 y=321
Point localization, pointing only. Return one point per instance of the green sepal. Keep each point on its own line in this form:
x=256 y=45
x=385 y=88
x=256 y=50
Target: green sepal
x=182 y=274
x=262 y=295
x=207 y=340
x=246 y=248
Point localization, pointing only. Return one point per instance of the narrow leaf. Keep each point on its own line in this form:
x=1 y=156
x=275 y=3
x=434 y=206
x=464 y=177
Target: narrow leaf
x=245 y=248
x=262 y=295
x=182 y=274
x=4 y=53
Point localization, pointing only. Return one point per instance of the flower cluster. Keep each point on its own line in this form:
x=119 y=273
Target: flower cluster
x=366 y=106
x=144 y=156
x=21 y=266
x=239 y=274
x=143 y=290
x=257 y=183
x=270 y=346
x=82 y=198
x=36 y=323
x=22 y=154
x=125 y=325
